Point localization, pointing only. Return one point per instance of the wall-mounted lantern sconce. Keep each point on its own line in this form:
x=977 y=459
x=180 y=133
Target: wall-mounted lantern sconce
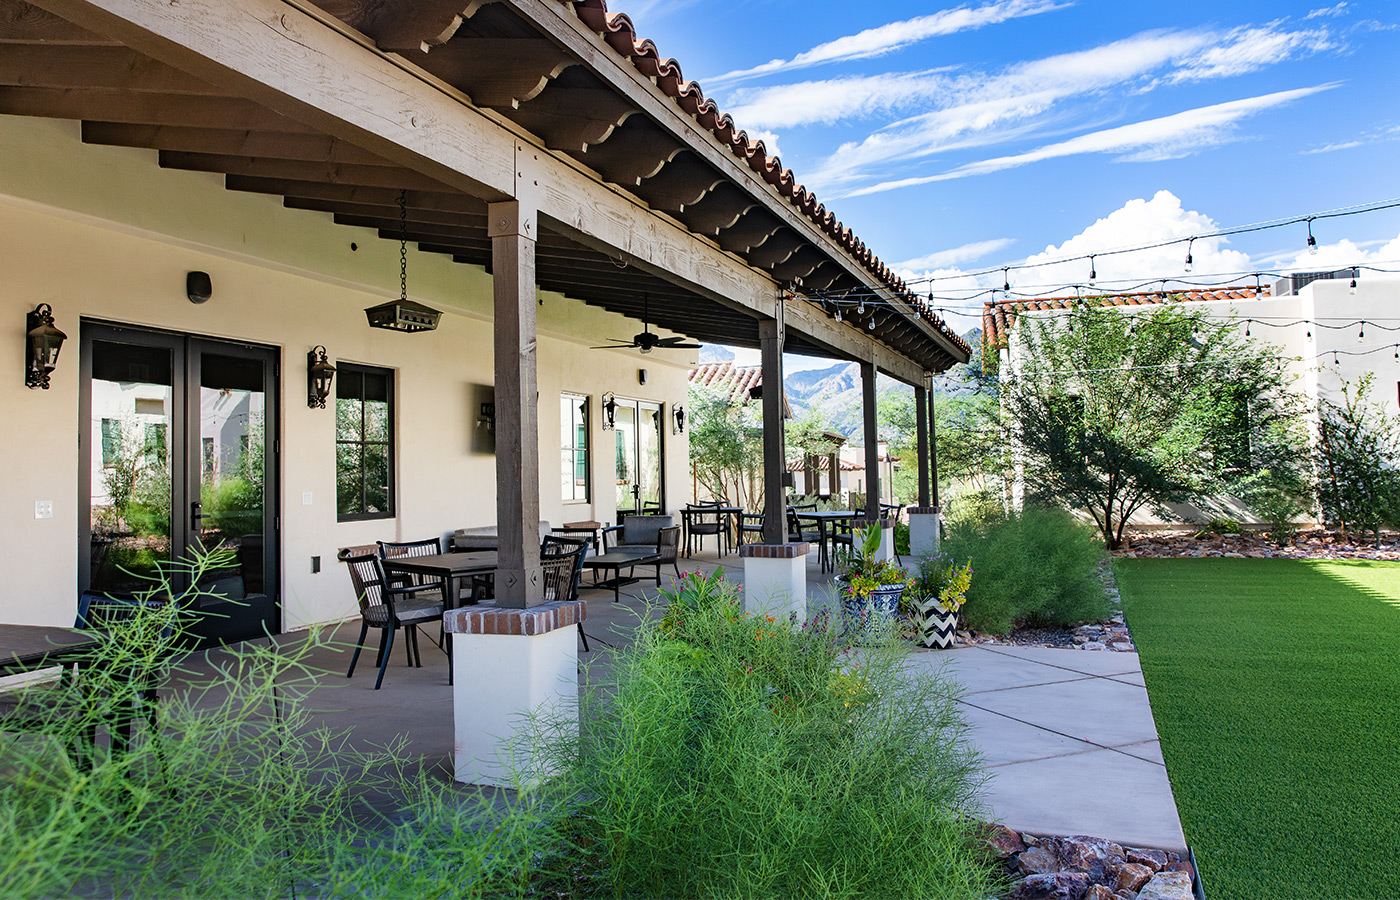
x=609 y=412
x=487 y=419
x=319 y=374
x=678 y=416
x=42 y=341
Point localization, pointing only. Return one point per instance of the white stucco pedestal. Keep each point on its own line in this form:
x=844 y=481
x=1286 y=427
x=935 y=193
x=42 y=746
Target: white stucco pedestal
x=507 y=664
x=924 y=535
x=775 y=579
x=886 y=526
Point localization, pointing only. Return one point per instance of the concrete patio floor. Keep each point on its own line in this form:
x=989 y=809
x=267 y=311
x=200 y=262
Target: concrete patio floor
x=1067 y=736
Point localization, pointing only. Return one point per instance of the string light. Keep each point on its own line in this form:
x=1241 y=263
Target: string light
x=1189 y=244
x=1005 y=280
x=1312 y=241
x=1361 y=335
x=1247 y=323
x=1353 y=281
x=1093 y=273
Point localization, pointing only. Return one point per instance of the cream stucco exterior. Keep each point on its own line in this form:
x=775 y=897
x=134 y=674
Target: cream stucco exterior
x=104 y=234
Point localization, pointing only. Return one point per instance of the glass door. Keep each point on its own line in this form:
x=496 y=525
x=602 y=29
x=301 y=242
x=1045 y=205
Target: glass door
x=176 y=457
x=638 y=455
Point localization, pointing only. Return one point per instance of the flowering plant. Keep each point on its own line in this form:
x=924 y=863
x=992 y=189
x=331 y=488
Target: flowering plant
x=860 y=568
x=941 y=579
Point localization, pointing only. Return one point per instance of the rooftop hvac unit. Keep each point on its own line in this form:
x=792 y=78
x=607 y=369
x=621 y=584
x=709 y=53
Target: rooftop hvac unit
x=1290 y=285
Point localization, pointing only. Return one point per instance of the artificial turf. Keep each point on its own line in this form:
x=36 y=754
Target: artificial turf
x=1275 y=685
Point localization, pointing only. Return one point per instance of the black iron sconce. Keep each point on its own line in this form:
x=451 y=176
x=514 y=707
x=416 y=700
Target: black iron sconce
x=319 y=374
x=678 y=416
x=42 y=341
x=609 y=412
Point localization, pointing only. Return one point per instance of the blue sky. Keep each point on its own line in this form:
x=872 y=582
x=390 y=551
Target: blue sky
x=959 y=138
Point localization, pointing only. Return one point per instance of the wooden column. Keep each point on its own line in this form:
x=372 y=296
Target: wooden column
x=770 y=337
x=519 y=581
x=921 y=395
x=933 y=449
x=872 y=442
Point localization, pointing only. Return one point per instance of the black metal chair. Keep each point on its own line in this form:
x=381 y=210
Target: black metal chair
x=702 y=520
x=73 y=709
x=750 y=523
x=795 y=530
x=425 y=547
x=562 y=559
x=389 y=609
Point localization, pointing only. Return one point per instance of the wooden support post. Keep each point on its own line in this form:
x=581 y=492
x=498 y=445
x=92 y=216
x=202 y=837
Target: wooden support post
x=921 y=395
x=933 y=450
x=770 y=337
x=519 y=579
x=872 y=441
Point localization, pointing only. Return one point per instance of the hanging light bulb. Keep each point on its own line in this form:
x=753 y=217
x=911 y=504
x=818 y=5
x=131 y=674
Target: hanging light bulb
x=1247 y=323
x=1353 y=280
x=1189 y=263
x=1309 y=331
x=1335 y=361
x=1361 y=335
x=1093 y=273
x=860 y=307
x=1312 y=241
x=838 y=312
x=1005 y=280
x=870 y=323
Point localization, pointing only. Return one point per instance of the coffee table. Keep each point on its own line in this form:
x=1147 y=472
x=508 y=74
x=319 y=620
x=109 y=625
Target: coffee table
x=619 y=559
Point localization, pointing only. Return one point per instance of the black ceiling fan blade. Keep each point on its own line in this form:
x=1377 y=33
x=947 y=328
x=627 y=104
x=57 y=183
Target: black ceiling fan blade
x=677 y=342
x=620 y=345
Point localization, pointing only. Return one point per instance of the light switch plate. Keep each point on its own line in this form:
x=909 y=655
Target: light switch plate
x=43 y=509
x=305 y=498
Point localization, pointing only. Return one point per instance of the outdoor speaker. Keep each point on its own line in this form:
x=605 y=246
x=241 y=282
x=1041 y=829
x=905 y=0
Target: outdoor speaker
x=198 y=287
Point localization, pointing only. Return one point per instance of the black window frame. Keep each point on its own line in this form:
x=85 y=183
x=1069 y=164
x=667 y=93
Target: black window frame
x=347 y=373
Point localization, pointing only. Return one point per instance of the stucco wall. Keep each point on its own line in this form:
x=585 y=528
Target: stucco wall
x=103 y=233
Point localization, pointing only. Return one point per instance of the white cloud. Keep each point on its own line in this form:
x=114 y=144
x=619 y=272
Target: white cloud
x=1370 y=136
x=1167 y=137
x=896 y=35
x=1345 y=254
x=981 y=109
x=1245 y=50
x=1339 y=9
x=1328 y=148
x=966 y=253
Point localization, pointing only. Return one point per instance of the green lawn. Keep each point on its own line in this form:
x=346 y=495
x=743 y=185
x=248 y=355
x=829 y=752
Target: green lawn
x=1276 y=689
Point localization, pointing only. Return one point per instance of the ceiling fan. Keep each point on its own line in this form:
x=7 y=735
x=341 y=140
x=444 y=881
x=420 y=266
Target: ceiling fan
x=646 y=341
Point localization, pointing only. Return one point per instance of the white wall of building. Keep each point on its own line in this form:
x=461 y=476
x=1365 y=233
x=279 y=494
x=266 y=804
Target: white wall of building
x=103 y=233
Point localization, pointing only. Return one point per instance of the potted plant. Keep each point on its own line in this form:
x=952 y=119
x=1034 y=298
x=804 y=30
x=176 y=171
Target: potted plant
x=870 y=587
x=934 y=597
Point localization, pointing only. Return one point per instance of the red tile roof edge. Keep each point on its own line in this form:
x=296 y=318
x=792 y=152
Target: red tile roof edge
x=619 y=33
x=999 y=315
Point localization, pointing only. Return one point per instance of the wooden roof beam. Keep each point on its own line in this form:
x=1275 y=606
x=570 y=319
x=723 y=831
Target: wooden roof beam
x=226 y=142
x=146 y=109
x=500 y=73
x=108 y=68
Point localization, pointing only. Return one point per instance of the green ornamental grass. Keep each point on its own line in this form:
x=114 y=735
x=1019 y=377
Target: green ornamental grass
x=746 y=756
x=1035 y=567
x=1274 y=686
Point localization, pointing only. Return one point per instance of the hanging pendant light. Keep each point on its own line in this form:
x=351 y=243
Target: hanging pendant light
x=403 y=314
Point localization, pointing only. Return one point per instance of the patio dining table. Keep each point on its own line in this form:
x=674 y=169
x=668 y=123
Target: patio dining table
x=824 y=519
x=448 y=569
x=24 y=648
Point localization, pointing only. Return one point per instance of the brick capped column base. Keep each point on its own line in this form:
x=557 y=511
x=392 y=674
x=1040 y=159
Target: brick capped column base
x=924 y=534
x=775 y=579
x=507 y=663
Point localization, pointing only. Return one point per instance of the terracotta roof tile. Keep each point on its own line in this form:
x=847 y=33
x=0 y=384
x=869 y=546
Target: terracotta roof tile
x=734 y=382
x=619 y=33
x=999 y=316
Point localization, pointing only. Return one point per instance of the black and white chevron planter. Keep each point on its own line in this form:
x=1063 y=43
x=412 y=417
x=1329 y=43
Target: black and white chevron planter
x=937 y=629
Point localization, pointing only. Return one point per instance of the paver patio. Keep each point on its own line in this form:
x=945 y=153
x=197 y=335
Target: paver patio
x=1067 y=736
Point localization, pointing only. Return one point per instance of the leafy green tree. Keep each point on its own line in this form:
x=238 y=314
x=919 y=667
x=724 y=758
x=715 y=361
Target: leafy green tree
x=1111 y=413
x=726 y=447
x=967 y=440
x=1358 y=451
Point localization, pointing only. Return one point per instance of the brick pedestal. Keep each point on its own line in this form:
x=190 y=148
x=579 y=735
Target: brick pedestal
x=775 y=579
x=924 y=534
x=506 y=664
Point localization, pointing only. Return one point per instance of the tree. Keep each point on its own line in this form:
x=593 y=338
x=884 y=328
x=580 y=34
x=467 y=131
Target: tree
x=726 y=447
x=1111 y=412
x=967 y=439
x=1358 y=449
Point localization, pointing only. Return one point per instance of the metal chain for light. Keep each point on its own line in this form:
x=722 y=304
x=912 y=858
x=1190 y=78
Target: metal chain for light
x=403 y=245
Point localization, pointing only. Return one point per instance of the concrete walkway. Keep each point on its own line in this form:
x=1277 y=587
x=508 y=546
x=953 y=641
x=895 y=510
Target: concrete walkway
x=1068 y=740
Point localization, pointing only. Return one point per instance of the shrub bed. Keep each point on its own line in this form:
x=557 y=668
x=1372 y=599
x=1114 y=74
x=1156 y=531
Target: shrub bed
x=1037 y=567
